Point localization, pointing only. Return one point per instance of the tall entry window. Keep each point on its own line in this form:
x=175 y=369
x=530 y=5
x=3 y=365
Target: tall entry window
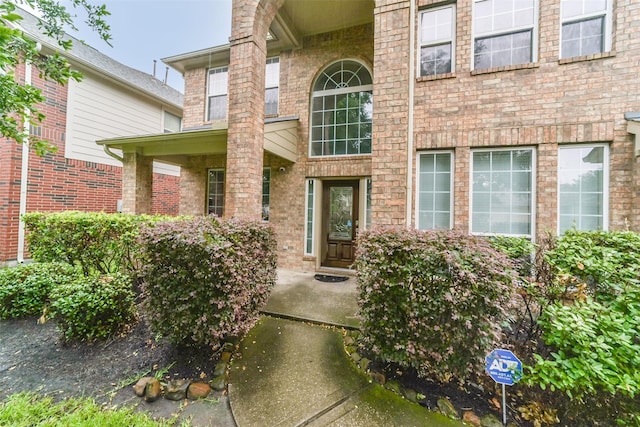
x=342 y=109
x=217 y=93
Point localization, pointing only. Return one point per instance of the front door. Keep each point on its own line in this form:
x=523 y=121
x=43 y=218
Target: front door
x=340 y=222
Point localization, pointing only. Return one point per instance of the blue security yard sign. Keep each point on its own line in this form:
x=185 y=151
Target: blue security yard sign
x=503 y=366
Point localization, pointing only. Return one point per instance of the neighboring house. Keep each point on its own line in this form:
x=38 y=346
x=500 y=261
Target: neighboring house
x=490 y=116
x=111 y=100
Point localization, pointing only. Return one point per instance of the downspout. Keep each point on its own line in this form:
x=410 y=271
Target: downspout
x=24 y=172
x=412 y=79
x=112 y=154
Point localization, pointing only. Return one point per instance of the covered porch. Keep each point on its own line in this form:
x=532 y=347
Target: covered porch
x=195 y=151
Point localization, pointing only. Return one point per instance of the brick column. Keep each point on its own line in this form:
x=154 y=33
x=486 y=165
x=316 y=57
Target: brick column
x=137 y=184
x=193 y=187
x=390 y=111
x=245 y=147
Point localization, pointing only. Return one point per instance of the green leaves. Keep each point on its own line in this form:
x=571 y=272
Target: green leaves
x=19 y=103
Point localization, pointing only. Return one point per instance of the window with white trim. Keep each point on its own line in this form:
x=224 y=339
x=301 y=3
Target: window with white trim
x=368 y=208
x=504 y=32
x=342 y=110
x=586 y=27
x=583 y=177
x=215 y=192
x=272 y=85
x=437 y=40
x=266 y=193
x=217 y=89
x=435 y=182
x=502 y=191
x=309 y=217
x=172 y=123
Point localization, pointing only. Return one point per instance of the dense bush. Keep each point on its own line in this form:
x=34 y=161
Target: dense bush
x=206 y=280
x=97 y=242
x=607 y=262
x=93 y=307
x=24 y=289
x=433 y=301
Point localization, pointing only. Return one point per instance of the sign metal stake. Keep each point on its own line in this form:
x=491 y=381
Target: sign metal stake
x=504 y=405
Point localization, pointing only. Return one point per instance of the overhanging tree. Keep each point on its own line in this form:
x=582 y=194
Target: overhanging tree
x=19 y=102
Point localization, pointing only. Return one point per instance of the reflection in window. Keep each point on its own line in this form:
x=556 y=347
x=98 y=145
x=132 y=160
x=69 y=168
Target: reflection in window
x=266 y=193
x=585 y=27
x=215 y=200
x=582 y=196
x=217 y=94
x=272 y=83
x=434 y=191
x=504 y=32
x=342 y=110
x=437 y=31
x=309 y=217
x=502 y=192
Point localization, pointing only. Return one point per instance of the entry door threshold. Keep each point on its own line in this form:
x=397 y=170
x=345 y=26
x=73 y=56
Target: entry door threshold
x=336 y=270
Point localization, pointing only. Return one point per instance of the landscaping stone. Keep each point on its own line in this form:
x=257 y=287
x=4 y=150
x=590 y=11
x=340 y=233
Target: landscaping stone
x=152 y=390
x=141 y=385
x=378 y=377
x=470 y=417
x=355 y=356
x=219 y=383
x=220 y=369
x=177 y=390
x=198 y=391
x=410 y=394
x=394 y=386
x=364 y=363
x=490 y=420
x=447 y=409
x=225 y=356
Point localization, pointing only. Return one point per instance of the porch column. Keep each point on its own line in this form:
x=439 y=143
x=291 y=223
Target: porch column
x=245 y=146
x=193 y=187
x=137 y=184
x=390 y=111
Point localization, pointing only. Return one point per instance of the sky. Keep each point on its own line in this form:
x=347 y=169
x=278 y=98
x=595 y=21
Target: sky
x=144 y=30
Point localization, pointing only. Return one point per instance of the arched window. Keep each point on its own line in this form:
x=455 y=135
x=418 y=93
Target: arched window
x=341 y=110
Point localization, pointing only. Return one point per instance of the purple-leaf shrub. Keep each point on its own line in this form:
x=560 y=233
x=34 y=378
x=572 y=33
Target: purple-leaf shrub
x=433 y=301
x=205 y=280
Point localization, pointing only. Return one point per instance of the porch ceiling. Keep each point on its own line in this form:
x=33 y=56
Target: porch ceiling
x=280 y=138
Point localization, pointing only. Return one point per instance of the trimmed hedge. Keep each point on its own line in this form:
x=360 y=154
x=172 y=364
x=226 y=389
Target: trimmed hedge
x=92 y=308
x=24 y=289
x=96 y=241
x=433 y=301
x=205 y=280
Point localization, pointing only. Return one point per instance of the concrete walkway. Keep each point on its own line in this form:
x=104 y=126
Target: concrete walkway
x=297 y=373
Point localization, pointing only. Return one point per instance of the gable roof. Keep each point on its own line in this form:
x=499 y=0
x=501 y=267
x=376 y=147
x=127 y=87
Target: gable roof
x=89 y=57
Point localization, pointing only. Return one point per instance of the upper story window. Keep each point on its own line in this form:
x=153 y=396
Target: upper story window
x=272 y=84
x=341 y=110
x=217 y=93
x=586 y=27
x=437 y=40
x=504 y=32
x=172 y=123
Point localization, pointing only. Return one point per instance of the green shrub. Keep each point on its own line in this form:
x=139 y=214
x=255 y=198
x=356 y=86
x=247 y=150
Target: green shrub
x=24 y=289
x=205 y=280
x=590 y=327
x=607 y=262
x=433 y=301
x=97 y=242
x=519 y=249
x=94 y=307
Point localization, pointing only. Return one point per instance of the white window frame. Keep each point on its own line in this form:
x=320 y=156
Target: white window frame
x=224 y=182
x=266 y=196
x=310 y=215
x=334 y=92
x=274 y=62
x=164 y=122
x=533 y=190
x=607 y=14
x=439 y=42
x=503 y=32
x=212 y=93
x=606 y=170
x=451 y=186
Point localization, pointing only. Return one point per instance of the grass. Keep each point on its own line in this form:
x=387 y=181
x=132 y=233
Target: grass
x=32 y=410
